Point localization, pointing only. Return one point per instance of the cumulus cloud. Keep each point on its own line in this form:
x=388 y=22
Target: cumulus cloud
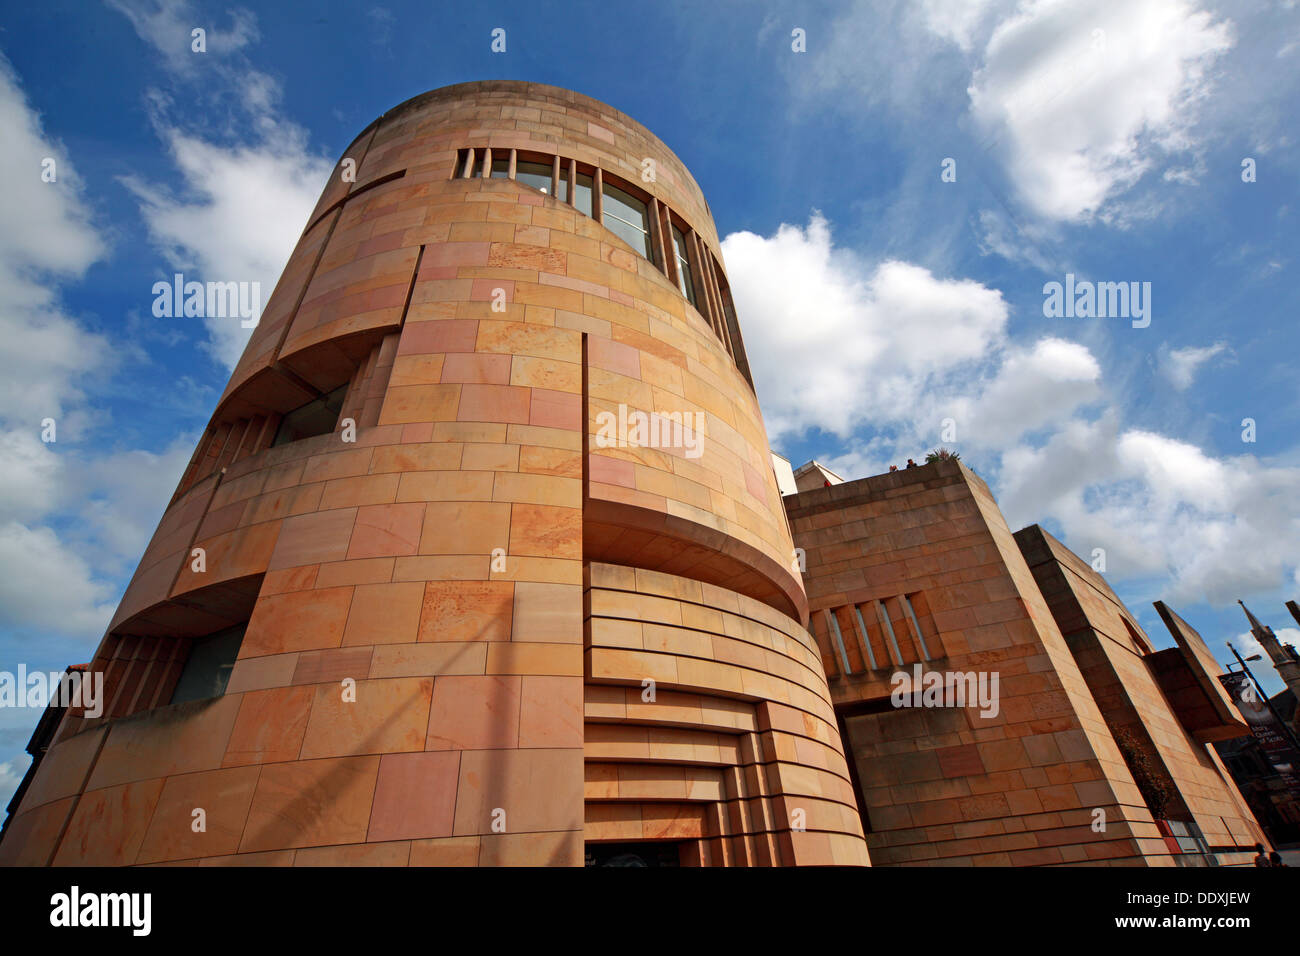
x=243 y=201
x=1180 y=366
x=1033 y=387
x=1076 y=100
x=878 y=355
x=48 y=586
x=867 y=338
x=243 y=210
x=46 y=235
x=121 y=495
x=72 y=524
x=1217 y=528
x=1082 y=98
x=959 y=20
x=70 y=517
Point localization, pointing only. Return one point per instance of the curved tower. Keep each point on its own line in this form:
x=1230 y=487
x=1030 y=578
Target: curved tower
x=481 y=558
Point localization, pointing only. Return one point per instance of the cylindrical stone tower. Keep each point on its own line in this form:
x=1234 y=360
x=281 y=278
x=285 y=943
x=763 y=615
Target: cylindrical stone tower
x=481 y=559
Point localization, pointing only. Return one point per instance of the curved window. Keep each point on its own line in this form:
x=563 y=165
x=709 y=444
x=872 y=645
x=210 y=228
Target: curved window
x=581 y=193
x=626 y=217
x=684 y=280
x=535 y=175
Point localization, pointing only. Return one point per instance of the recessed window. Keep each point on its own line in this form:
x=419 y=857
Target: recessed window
x=207 y=670
x=684 y=280
x=500 y=169
x=626 y=217
x=317 y=417
x=582 y=193
x=536 y=175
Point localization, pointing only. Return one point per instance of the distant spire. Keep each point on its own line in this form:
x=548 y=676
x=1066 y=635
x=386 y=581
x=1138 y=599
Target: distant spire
x=1254 y=622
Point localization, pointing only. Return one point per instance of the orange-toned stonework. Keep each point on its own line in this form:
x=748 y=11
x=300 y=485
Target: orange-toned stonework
x=918 y=568
x=475 y=634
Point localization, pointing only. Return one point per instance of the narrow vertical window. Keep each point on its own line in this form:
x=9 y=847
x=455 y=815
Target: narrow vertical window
x=684 y=279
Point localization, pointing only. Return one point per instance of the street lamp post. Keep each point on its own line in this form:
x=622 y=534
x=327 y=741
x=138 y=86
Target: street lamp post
x=1262 y=695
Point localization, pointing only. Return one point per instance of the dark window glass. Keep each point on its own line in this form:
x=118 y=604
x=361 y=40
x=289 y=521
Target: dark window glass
x=536 y=175
x=626 y=217
x=684 y=279
x=500 y=169
x=207 y=670
x=317 y=417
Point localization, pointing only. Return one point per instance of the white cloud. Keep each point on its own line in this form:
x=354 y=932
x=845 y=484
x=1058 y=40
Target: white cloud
x=958 y=20
x=49 y=587
x=1247 y=645
x=46 y=234
x=1034 y=387
x=30 y=474
x=1080 y=98
x=105 y=506
x=891 y=346
x=885 y=352
x=122 y=495
x=246 y=208
x=867 y=338
x=168 y=26
x=1216 y=528
x=1181 y=365
x=999 y=234
x=69 y=517
x=244 y=200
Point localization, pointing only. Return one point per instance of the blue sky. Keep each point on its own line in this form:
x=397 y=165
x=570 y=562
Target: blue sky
x=1102 y=139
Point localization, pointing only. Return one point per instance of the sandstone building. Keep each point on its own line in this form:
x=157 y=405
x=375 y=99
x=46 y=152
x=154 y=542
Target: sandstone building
x=410 y=603
x=1098 y=751
x=483 y=560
